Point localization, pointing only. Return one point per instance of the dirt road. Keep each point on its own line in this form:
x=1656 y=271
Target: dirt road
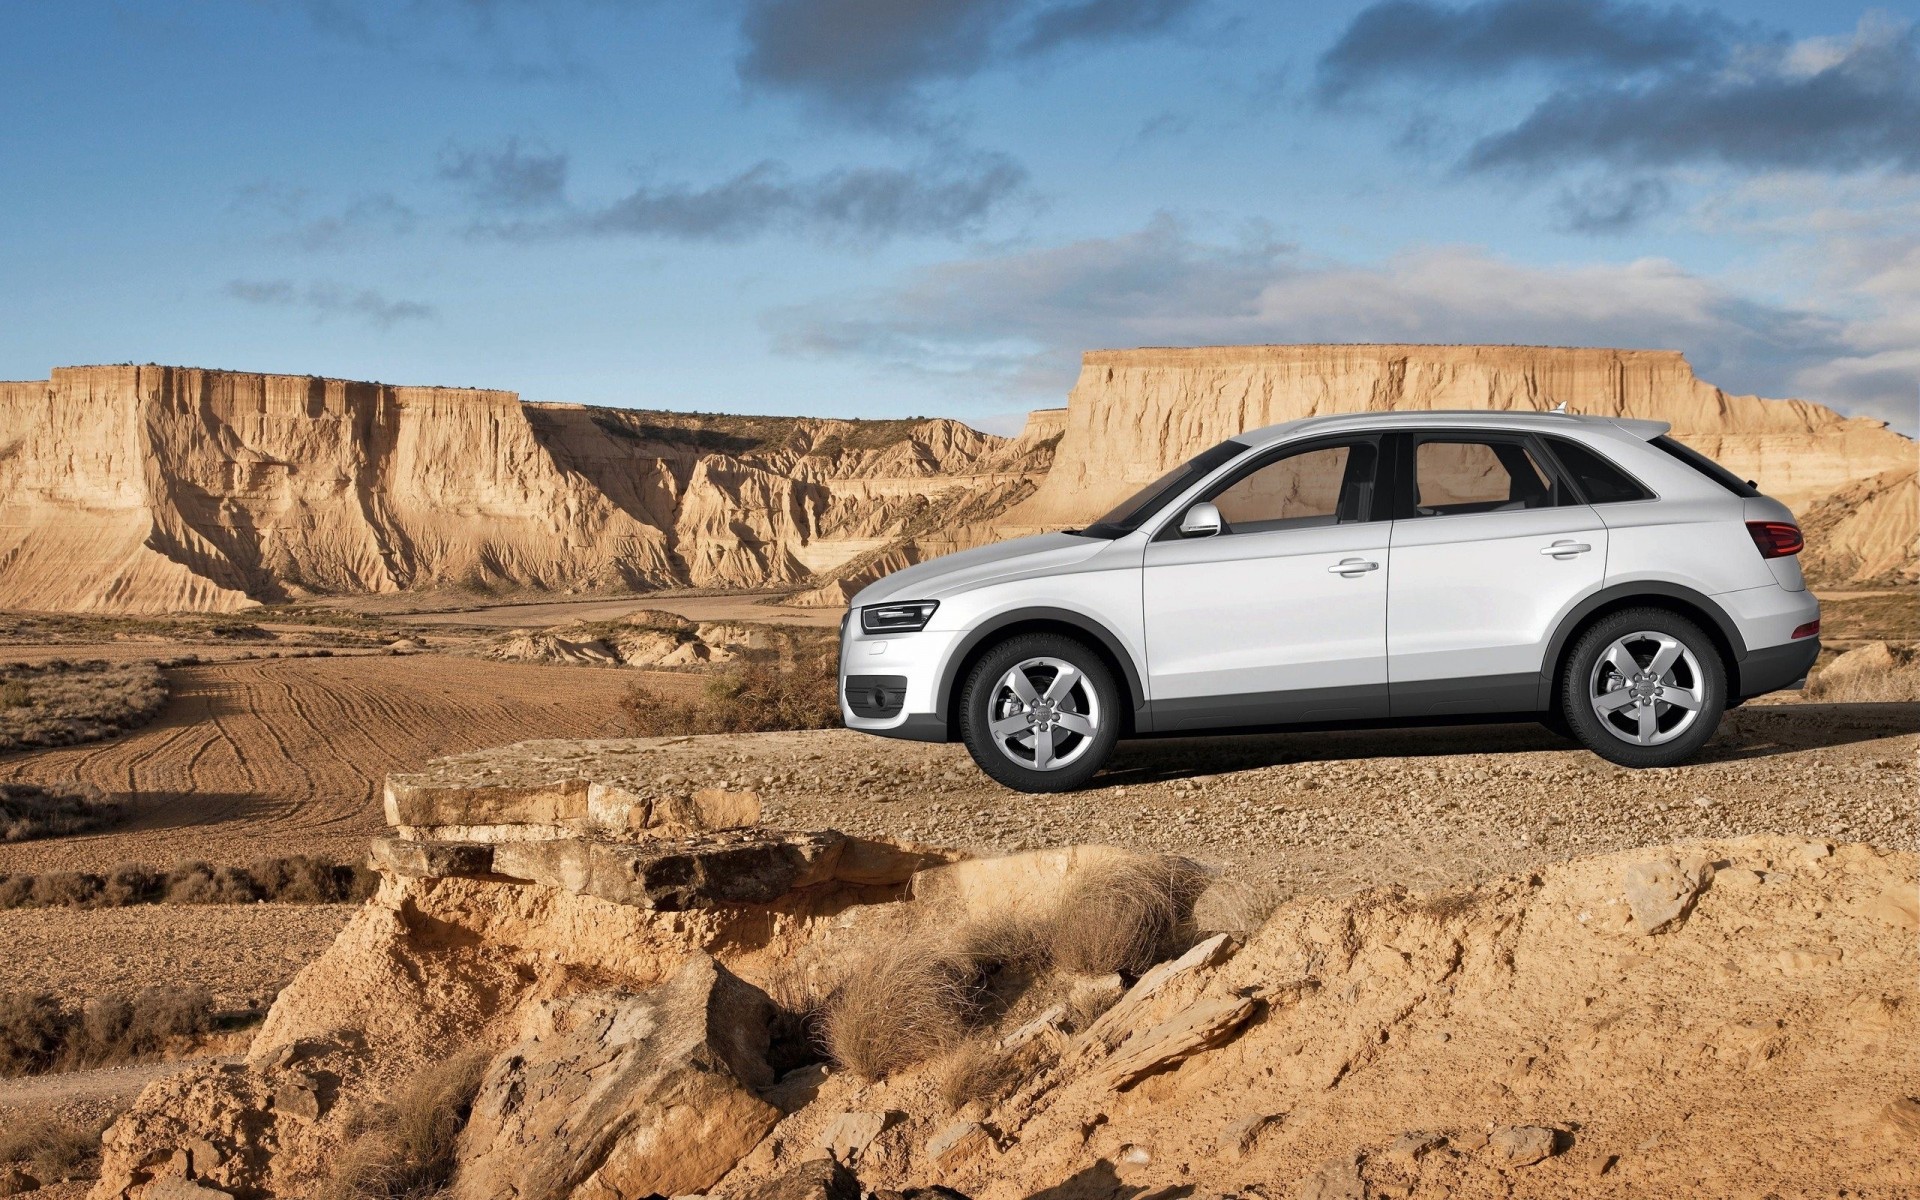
x=286 y=756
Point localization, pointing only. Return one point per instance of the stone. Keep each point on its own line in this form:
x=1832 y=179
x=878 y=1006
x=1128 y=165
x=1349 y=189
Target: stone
x=676 y=876
x=564 y=863
x=1901 y=1118
x=418 y=859
x=1199 y=1027
x=1898 y=907
x=13 y=1181
x=297 y=1098
x=1523 y=1145
x=1117 y=1020
x=1095 y=995
x=1238 y=1140
x=851 y=1132
x=1413 y=1145
x=424 y=799
x=818 y=1179
x=957 y=1143
x=1045 y=1024
x=617 y=1094
x=1809 y=958
x=1337 y=1179
x=715 y=808
x=1660 y=893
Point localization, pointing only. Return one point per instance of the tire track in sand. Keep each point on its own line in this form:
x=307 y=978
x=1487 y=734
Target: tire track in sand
x=260 y=757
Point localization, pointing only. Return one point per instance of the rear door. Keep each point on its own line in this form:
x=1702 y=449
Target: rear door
x=1490 y=550
x=1281 y=616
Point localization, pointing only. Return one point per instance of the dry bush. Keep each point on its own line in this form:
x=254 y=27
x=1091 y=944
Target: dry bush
x=755 y=694
x=51 y=1150
x=39 y=1034
x=1890 y=676
x=59 y=703
x=201 y=883
x=405 y=1151
x=131 y=883
x=294 y=880
x=33 y=810
x=1124 y=914
x=302 y=880
x=1236 y=906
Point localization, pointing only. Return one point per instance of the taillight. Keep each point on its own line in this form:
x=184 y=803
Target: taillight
x=1808 y=630
x=1776 y=539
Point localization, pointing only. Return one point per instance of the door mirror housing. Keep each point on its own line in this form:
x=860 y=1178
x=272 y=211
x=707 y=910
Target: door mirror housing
x=1202 y=520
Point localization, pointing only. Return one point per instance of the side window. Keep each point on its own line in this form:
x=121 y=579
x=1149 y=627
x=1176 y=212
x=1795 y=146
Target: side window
x=1599 y=480
x=1327 y=485
x=1473 y=475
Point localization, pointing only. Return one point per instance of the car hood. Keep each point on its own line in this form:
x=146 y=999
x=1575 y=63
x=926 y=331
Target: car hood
x=957 y=572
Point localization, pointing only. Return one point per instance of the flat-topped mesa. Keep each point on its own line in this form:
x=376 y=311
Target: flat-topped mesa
x=1133 y=414
x=587 y=818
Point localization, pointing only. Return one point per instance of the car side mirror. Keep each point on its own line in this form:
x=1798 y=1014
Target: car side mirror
x=1202 y=520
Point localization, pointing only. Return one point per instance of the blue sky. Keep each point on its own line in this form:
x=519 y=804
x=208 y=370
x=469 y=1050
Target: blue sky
x=893 y=207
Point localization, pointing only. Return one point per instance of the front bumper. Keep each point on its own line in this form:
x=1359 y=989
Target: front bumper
x=895 y=677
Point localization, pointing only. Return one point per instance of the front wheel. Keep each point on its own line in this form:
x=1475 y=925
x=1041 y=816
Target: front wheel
x=1040 y=713
x=1644 y=687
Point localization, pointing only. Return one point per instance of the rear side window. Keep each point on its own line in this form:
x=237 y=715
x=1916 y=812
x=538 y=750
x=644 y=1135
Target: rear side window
x=1598 y=480
x=1452 y=476
x=1706 y=466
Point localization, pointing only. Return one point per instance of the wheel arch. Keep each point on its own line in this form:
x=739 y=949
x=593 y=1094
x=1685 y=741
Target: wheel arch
x=1682 y=601
x=1062 y=621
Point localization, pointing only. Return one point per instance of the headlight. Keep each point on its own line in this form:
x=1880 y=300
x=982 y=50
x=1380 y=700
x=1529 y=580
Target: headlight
x=910 y=617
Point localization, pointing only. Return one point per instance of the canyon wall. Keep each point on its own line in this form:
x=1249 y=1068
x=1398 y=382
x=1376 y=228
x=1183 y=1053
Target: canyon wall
x=1133 y=414
x=141 y=489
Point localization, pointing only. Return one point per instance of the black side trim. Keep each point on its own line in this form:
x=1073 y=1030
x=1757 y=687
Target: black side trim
x=1062 y=616
x=876 y=695
x=920 y=727
x=1774 y=667
x=1481 y=694
x=1357 y=702
x=1556 y=646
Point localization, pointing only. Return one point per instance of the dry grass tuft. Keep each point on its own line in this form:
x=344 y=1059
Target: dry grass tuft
x=978 y=1070
x=60 y=703
x=51 y=1150
x=1880 y=673
x=902 y=1000
x=39 y=1034
x=35 y=810
x=405 y=1151
x=1237 y=906
x=1124 y=914
x=751 y=695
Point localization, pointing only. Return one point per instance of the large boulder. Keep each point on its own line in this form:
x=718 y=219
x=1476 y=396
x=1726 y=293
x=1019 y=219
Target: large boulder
x=621 y=1094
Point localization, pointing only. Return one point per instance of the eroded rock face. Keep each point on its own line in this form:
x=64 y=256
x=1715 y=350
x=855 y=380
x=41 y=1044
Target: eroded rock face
x=616 y=1094
x=158 y=489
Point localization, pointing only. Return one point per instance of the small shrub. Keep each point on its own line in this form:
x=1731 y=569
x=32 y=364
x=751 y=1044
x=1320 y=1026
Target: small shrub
x=39 y=1034
x=14 y=693
x=31 y=810
x=52 y=1151
x=16 y=891
x=294 y=880
x=1124 y=914
x=32 y=1029
x=903 y=1000
x=406 y=1149
x=978 y=1070
x=200 y=883
x=130 y=883
x=66 y=889
x=751 y=695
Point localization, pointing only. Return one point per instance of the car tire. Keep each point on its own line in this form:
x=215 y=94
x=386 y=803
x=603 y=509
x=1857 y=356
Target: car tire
x=1027 y=732
x=1622 y=684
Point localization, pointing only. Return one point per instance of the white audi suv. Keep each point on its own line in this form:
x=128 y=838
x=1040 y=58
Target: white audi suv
x=1374 y=569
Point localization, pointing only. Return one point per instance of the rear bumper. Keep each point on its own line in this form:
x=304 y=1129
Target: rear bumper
x=1771 y=668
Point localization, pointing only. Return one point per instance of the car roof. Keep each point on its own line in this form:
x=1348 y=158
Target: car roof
x=1464 y=418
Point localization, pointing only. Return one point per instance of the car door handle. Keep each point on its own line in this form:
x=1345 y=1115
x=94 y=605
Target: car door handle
x=1565 y=549
x=1352 y=567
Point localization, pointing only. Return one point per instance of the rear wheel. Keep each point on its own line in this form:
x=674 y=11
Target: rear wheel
x=1040 y=713
x=1644 y=687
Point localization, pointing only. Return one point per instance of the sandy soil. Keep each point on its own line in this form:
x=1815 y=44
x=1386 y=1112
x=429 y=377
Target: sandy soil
x=242 y=953
x=286 y=756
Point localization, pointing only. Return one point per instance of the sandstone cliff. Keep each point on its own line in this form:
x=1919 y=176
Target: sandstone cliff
x=1135 y=413
x=153 y=489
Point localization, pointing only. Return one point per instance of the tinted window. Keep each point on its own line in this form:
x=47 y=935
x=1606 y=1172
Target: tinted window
x=1471 y=475
x=1706 y=466
x=1599 y=480
x=1322 y=486
x=1138 y=508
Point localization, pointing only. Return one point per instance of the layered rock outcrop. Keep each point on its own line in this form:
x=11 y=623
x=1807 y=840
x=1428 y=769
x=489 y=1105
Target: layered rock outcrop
x=1133 y=414
x=150 y=489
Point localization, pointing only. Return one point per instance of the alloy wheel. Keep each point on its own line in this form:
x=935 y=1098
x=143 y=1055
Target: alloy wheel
x=1043 y=714
x=1647 y=688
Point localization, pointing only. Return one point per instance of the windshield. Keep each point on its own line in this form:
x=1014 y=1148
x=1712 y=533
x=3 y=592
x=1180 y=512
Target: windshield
x=1137 y=509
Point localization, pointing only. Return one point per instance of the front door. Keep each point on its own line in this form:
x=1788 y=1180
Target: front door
x=1490 y=550
x=1281 y=616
